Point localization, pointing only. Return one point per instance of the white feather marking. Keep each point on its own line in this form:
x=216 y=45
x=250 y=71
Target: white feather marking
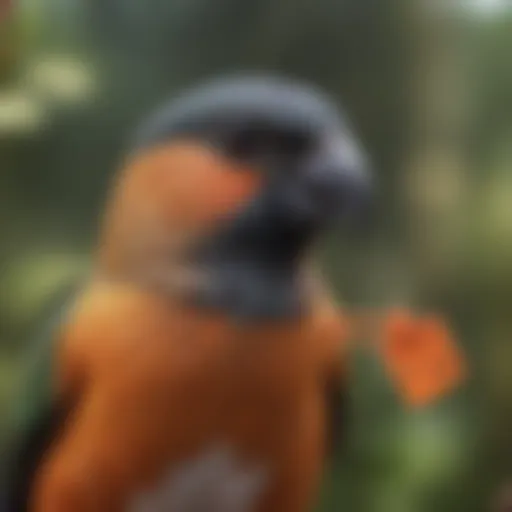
x=212 y=482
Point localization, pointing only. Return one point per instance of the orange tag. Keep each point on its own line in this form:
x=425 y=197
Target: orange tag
x=421 y=357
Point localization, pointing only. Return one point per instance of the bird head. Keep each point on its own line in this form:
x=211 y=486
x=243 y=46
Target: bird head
x=236 y=178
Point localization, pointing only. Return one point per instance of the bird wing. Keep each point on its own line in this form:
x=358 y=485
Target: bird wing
x=34 y=417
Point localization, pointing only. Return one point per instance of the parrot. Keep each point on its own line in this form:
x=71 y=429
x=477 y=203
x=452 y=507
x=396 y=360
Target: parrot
x=201 y=365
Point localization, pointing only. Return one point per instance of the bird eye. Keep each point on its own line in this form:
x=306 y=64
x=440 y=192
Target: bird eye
x=295 y=144
x=248 y=144
x=256 y=143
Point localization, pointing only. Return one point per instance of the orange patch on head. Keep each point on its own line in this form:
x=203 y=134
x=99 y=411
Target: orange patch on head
x=191 y=186
x=167 y=196
x=421 y=357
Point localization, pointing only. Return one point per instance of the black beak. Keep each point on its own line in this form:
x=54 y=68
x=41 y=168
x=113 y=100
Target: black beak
x=333 y=184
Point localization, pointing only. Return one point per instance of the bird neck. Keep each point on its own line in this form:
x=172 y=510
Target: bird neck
x=251 y=267
x=255 y=263
x=240 y=285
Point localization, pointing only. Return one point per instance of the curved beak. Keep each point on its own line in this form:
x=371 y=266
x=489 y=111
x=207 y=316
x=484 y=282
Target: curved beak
x=334 y=184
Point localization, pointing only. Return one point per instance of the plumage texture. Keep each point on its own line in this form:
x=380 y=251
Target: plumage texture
x=169 y=382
